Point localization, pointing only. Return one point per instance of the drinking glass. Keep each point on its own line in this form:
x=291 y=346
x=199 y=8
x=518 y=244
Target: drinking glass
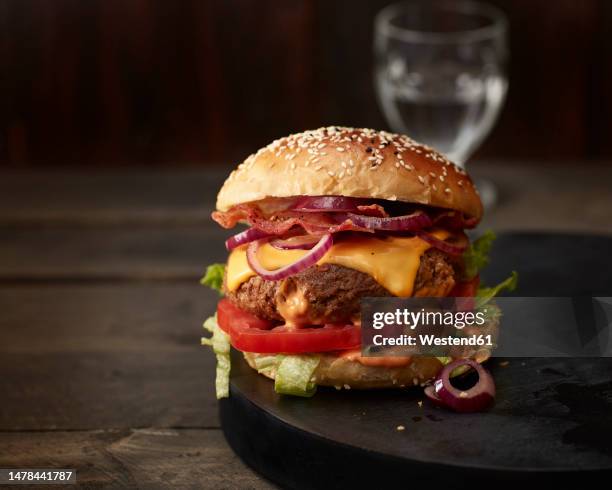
x=440 y=72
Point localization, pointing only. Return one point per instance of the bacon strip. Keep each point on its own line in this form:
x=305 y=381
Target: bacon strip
x=229 y=219
x=373 y=210
x=453 y=220
x=282 y=221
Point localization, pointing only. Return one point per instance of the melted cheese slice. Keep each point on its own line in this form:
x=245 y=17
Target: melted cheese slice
x=393 y=262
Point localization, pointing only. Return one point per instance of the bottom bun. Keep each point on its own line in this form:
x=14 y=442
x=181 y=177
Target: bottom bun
x=343 y=372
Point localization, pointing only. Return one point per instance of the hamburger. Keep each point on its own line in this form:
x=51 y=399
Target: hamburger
x=335 y=215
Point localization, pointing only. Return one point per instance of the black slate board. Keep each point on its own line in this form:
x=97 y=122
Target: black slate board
x=551 y=424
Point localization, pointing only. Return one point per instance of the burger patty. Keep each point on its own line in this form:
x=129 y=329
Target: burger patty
x=436 y=275
x=330 y=293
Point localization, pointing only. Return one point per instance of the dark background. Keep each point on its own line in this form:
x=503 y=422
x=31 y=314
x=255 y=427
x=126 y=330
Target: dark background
x=114 y=82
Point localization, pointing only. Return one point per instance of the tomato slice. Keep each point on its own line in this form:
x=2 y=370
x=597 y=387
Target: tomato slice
x=465 y=289
x=230 y=317
x=251 y=334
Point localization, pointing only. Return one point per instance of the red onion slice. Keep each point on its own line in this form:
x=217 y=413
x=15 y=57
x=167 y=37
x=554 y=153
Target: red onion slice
x=243 y=237
x=477 y=398
x=306 y=261
x=430 y=392
x=327 y=203
x=445 y=247
x=409 y=222
x=301 y=242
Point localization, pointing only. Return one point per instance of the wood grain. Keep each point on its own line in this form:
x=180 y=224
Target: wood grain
x=100 y=366
x=107 y=82
x=126 y=253
x=546 y=197
x=105 y=356
x=136 y=196
x=133 y=458
x=566 y=199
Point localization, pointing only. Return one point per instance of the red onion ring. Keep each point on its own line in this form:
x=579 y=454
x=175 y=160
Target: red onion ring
x=409 y=222
x=477 y=398
x=301 y=242
x=243 y=237
x=305 y=262
x=430 y=392
x=441 y=244
x=327 y=203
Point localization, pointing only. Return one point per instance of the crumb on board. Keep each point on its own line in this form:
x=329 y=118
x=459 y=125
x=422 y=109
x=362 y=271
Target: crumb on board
x=504 y=363
x=400 y=428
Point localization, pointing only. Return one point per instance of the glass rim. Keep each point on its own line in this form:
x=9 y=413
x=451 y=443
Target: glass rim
x=498 y=22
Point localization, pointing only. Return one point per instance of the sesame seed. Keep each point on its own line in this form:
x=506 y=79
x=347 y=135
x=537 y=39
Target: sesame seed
x=331 y=174
x=447 y=190
x=400 y=428
x=371 y=141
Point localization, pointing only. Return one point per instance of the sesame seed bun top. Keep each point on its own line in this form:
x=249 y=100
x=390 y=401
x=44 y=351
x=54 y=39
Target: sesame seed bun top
x=355 y=163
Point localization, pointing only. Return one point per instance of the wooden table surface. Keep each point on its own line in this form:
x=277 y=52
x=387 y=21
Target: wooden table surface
x=100 y=314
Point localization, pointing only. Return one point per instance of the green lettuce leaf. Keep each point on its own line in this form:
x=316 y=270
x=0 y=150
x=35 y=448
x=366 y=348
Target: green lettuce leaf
x=213 y=278
x=294 y=375
x=220 y=343
x=476 y=257
x=484 y=295
x=266 y=364
x=455 y=372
